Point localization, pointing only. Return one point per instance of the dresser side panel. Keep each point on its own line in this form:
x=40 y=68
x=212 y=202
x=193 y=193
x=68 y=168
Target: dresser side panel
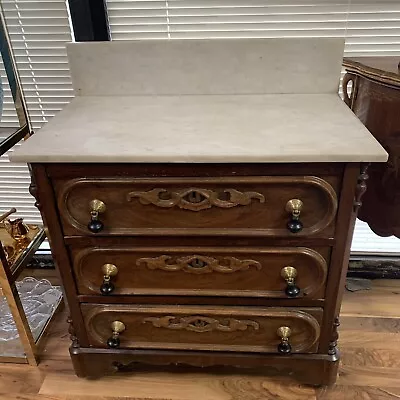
x=340 y=257
x=47 y=205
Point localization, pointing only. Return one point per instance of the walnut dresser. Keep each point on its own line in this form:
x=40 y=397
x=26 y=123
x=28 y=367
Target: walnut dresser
x=200 y=197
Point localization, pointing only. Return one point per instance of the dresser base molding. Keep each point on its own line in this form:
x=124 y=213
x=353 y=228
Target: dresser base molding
x=315 y=369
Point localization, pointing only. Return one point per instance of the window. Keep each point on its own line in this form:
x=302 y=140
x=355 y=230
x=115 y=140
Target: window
x=38 y=32
x=371 y=28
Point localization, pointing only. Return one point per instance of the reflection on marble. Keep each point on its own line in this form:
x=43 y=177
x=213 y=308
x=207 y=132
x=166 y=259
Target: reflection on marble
x=39 y=299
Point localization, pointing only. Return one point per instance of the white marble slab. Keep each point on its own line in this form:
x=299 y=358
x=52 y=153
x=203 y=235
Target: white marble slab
x=234 y=66
x=200 y=129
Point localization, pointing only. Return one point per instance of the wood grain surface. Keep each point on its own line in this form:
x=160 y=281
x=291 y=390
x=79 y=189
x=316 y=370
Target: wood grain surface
x=134 y=206
x=228 y=271
x=370 y=366
x=221 y=328
x=375 y=100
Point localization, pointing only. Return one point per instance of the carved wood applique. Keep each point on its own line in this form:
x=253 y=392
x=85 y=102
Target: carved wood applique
x=72 y=334
x=195 y=199
x=34 y=192
x=196 y=264
x=361 y=186
x=201 y=324
x=391 y=176
x=334 y=339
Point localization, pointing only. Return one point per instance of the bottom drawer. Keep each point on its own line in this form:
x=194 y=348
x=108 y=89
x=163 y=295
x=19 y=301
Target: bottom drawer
x=247 y=329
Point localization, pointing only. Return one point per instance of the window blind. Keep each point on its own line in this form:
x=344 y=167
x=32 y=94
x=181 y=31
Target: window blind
x=38 y=32
x=371 y=28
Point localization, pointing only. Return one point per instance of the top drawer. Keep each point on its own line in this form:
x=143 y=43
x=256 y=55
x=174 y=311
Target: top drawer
x=199 y=206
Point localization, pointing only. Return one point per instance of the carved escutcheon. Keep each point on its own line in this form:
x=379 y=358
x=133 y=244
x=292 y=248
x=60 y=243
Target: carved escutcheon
x=201 y=324
x=195 y=199
x=197 y=264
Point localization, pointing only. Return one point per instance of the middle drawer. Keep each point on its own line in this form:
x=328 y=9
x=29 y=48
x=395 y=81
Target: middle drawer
x=275 y=272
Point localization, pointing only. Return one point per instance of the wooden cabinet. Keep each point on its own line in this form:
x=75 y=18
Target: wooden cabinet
x=375 y=99
x=202 y=267
x=207 y=222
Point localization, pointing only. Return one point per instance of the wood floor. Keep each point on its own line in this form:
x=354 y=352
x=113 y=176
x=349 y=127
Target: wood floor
x=369 y=342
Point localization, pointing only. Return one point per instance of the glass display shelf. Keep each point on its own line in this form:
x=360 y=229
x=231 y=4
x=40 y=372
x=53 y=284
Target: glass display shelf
x=40 y=301
x=26 y=306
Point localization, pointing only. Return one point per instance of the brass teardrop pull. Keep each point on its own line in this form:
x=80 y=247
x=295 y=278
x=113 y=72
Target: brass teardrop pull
x=294 y=207
x=109 y=270
x=117 y=328
x=289 y=274
x=284 y=346
x=96 y=207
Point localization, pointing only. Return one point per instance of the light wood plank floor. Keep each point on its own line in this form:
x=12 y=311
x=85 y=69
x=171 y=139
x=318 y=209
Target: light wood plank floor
x=370 y=369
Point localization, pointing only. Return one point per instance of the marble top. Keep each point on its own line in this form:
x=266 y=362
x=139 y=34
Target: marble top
x=203 y=128
x=217 y=66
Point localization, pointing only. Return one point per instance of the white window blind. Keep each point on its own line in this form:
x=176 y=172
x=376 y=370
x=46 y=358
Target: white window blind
x=371 y=28
x=39 y=31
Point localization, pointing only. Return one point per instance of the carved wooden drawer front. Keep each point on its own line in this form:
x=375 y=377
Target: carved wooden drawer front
x=202 y=328
x=194 y=206
x=210 y=271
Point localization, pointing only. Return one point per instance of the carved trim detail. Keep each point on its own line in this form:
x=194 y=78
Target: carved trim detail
x=203 y=361
x=391 y=176
x=334 y=339
x=200 y=324
x=348 y=99
x=196 y=264
x=195 y=199
x=361 y=186
x=34 y=192
x=71 y=331
x=374 y=74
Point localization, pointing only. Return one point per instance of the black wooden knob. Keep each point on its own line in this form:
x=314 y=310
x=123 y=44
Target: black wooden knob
x=295 y=225
x=284 y=347
x=95 y=225
x=106 y=288
x=292 y=290
x=113 y=342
